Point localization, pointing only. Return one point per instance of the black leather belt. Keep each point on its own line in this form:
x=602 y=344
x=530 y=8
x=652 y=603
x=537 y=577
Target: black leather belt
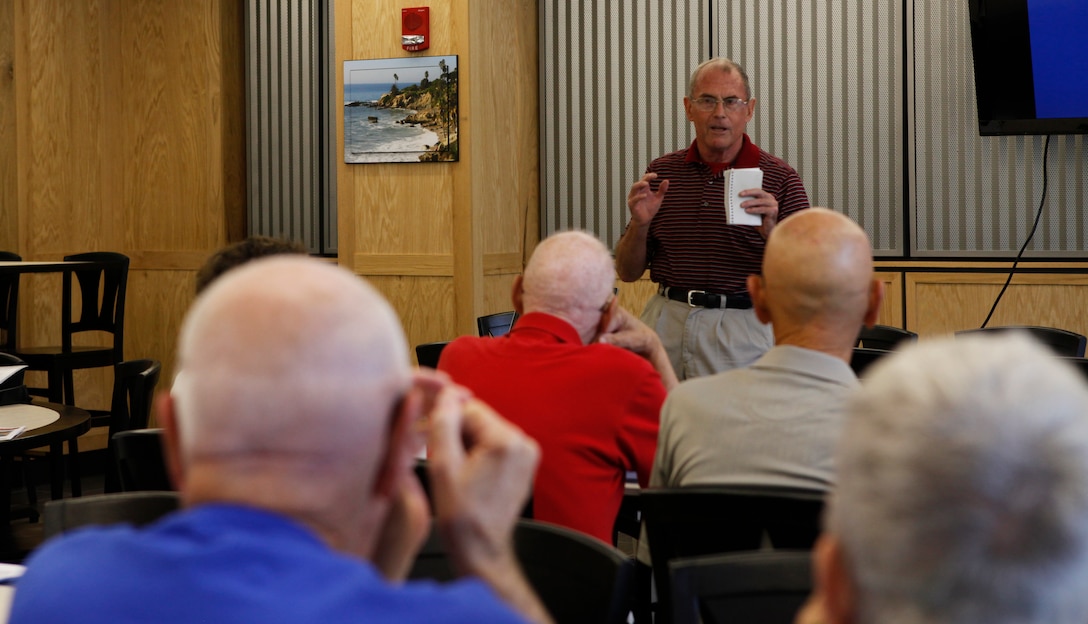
x=703 y=299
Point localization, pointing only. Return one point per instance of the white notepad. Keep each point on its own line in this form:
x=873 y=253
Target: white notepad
x=741 y=180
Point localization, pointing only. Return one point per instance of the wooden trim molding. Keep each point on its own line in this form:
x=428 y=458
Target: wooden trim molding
x=418 y=265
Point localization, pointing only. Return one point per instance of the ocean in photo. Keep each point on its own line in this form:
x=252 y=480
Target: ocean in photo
x=373 y=134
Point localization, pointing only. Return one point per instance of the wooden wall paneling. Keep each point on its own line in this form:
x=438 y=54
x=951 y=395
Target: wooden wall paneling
x=230 y=104
x=634 y=295
x=505 y=178
x=403 y=208
x=497 y=289
x=505 y=184
x=891 y=309
x=942 y=303
x=128 y=137
x=395 y=220
x=154 y=318
x=174 y=173
x=9 y=177
x=343 y=42
x=468 y=262
x=65 y=86
x=425 y=306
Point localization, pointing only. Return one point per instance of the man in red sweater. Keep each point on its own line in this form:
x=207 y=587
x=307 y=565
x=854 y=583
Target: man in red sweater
x=592 y=407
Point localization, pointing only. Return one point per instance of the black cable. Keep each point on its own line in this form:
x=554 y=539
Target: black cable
x=1031 y=235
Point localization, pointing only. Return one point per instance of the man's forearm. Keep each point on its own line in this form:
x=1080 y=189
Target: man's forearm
x=631 y=252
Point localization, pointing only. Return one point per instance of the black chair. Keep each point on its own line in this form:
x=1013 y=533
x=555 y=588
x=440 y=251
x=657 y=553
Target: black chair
x=9 y=304
x=864 y=358
x=141 y=461
x=692 y=521
x=495 y=325
x=136 y=508
x=101 y=309
x=134 y=384
x=768 y=587
x=578 y=578
x=1064 y=343
x=12 y=389
x=427 y=354
x=884 y=337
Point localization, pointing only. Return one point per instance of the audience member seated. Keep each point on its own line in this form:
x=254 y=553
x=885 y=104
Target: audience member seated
x=962 y=491
x=592 y=407
x=292 y=450
x=239 y=253
x=776 y=422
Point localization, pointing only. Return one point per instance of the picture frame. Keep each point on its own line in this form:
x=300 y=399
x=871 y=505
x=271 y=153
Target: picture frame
x=401 y=110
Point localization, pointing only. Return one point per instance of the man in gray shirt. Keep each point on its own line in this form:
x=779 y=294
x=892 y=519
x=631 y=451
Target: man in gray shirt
x=776 y=422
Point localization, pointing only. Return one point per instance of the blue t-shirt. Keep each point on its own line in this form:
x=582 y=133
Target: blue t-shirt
x=227 y=564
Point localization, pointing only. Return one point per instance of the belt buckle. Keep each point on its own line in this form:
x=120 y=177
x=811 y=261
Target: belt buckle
x=694 y=292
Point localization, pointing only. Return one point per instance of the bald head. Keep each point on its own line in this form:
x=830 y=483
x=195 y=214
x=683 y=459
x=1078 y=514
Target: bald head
x=818 y=274
x=288 y=356
x=570 y=275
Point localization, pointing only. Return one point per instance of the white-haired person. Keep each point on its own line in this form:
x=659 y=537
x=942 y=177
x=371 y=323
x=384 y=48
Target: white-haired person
x=290 y=436
x=962 y=491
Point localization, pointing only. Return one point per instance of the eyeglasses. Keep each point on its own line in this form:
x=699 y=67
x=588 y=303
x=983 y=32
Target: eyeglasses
x=707 y=103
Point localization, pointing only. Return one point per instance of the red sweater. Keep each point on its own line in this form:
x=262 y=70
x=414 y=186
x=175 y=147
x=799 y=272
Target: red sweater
x=593 y=409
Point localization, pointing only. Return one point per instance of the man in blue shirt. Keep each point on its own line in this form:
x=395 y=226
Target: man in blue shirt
x=291 y=430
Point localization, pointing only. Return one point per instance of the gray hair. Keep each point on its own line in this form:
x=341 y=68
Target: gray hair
x=962 y=493
x=721 y=64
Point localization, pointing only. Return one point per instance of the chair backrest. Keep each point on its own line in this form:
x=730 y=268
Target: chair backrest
x=863 y=358
x=102 y=299
x=427 y=354
x=692 y=521
x=884 y=337
x=137 y=508
x=495 y=325
x=9 y=303
x=767 y=586
x=578 y=578
x=134 y=384
x=1063 y=342
x=141 y=462
x=13 y=389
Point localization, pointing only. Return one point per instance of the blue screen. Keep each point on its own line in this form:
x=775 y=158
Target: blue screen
x=1059 y=57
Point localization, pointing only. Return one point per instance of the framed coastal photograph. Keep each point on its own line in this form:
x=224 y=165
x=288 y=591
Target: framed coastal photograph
x=400 y=110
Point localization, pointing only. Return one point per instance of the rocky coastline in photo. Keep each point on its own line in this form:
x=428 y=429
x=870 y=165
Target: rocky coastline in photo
x=425 y=102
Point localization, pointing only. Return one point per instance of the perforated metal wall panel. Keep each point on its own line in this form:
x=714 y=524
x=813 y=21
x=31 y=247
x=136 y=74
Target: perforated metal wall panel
x=290 y=189
x=974 y=195
x=828 y=76
x=613 y=76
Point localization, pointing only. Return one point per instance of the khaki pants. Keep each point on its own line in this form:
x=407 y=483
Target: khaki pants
x=702 y=341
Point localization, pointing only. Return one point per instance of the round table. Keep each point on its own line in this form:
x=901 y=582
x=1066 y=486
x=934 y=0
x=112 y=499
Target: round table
x=72 y=423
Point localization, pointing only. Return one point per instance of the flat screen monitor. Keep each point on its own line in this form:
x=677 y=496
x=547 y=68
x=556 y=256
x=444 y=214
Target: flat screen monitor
x=1031 y=66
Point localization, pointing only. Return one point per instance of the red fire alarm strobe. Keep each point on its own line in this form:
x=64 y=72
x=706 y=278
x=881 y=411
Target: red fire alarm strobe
x=415 y=28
